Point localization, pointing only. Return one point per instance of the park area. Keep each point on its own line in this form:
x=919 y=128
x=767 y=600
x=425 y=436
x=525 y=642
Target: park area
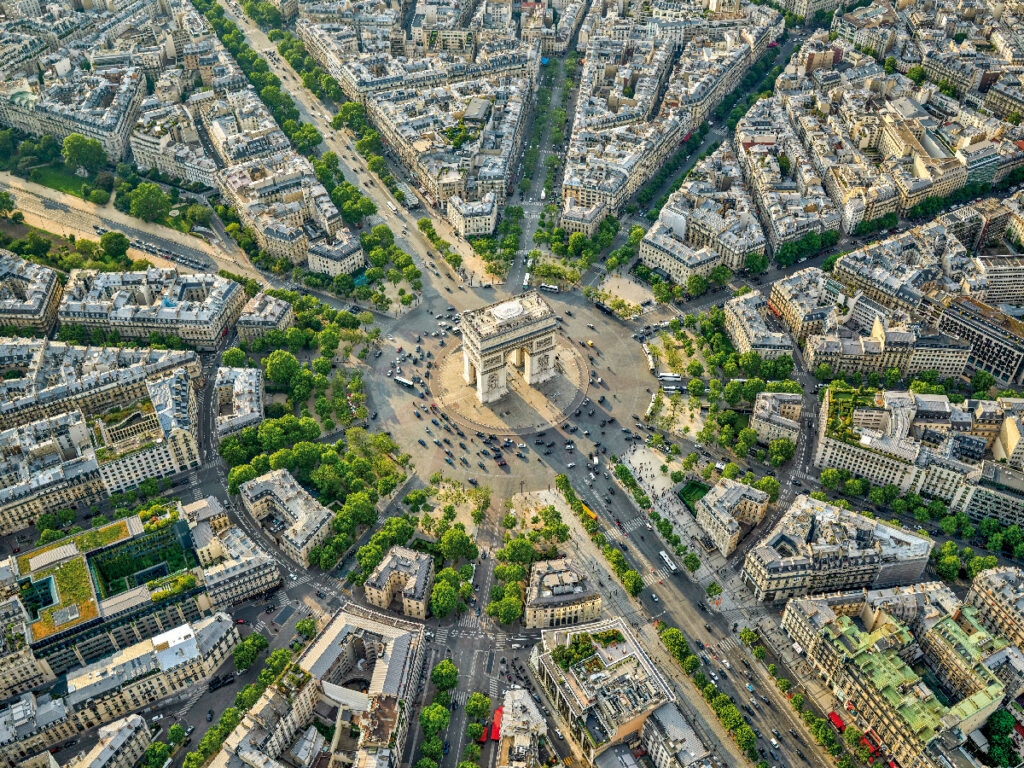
x=691 y=493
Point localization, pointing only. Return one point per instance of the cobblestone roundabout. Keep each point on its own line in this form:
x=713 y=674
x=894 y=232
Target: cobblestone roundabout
x=525 y=409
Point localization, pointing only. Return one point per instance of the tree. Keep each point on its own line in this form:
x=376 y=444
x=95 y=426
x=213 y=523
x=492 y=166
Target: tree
x=760 y=653
x=948 y=567
x=696 y=387
x=114 y=245
x=917 y=74
x=632 y=582
x=433 y=719
x=455 y=545
x=713 y=590
x=780 y=451
x=6 y=204
x=443 y=599
x=691 y=562
x=445 y=675
x=281 y=367
x=478 y=706
x=306 y=627
x=233 y=358
x=245 y=653
x=80 y=152
x=176 y=734
x=149 y=202
x=756 y=263
x=696 y=285
x=675 y=643
x=890 y=65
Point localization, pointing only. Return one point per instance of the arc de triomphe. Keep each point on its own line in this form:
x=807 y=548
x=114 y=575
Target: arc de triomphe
x=524 y=327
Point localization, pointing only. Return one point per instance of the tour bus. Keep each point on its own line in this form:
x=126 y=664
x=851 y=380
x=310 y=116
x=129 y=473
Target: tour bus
x=670 y=377
x=404 y=382
x=668 y=560
x=393 y=207
x=549 y=287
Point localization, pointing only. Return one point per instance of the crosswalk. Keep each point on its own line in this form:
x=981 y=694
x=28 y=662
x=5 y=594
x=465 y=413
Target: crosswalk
x=468 y=619
x=282 y=598
x=652 y=578
x=194 y=491
x=496 y=687
x=194 y=695
x=620 y=534
x=442 y=636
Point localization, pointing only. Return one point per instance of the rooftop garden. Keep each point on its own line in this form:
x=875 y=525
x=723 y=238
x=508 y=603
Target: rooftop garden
x=169 y=586
x=608 y=637
x=86 y=541
x=117 y=415
x=843 y=401
x=154 y=556
x=74 y=588
x=579 y=648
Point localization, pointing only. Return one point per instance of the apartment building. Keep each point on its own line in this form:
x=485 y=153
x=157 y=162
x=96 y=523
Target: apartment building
x=100 y=104
x=666 y=253
x=817 y=546
x=293 y=518
x=998 y=596
x=776 y=416
x=746 y=326
x=803 y=304
x=121 y=744
x=473 y=218
x=58 y=378
x=578 y=218
x=403 y=573
x=342 y=256
x=263 y=312
x=165 y=138
x=239 y=393
x=29 y=294
x=238 y=569
x=725 y=508
x=605 y=696
x=138 y=676
x=386 y=650
x=860 y=643
x=887 y=347
x=559 y=595
x=20 y=669
x=996 y=339
x=200 y=308
x=670 y=740
x=1003 y=279
x=523 y=728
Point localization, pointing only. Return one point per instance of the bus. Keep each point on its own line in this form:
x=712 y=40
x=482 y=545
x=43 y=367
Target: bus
x=393 y=207
x=526 y=280
x=589 y=511
x=668 y=560
x=404 y=382
x=670 y=377
x=549 y=287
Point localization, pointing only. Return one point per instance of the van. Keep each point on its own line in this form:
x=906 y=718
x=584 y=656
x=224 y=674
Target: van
x=774 y=743
x=570 y=465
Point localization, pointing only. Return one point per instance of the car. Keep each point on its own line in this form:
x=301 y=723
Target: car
x=559 y=734
x=240 y=621
x=654 y=597
x=447 y=746
x=209 y=715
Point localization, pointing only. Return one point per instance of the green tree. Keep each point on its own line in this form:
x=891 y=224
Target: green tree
x=443 y=599
x=281 y=367
x=149 y=203
x=478 y=706
x=176 y=734
x=114 y=245
x=233 y=357
x=80 y=152
x=306 y=627
x=691 y=562
x=433 y=719
x=780 y=451
x=760 y=653
x=445 y=675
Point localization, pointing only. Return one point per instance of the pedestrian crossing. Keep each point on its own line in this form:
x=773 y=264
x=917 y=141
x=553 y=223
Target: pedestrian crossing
x=282 y=598
x=442 y=636
x=194 y=695
x=652 y=578
x=459 y=698
x=620 y=534
x=496 y=685
x=468 y=619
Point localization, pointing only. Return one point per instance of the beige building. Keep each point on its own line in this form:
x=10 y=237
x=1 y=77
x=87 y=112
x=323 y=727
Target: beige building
x=261 y=313
x=776 y=416
x=121 y=744
x=746 y=326
x=802 y=303
x=135 y=677
x=198 y=307
x=862 y=643
x=523 y=728
x=405 y=573
x=29 y=293
x=1010 y=445
x=726 y=507
x=293 y=518
x=817 y=546
x=604 y=698
x=559 y=595
x=235 y=569
x=473 y=218
x=342 y=256
x=20 y=669
x=998 y=596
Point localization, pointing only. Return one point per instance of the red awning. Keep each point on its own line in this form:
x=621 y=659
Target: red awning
x=483 y=736
x=496 y=725
x=837 y=721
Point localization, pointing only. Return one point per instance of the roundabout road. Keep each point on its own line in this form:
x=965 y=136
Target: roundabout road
x=616 y=363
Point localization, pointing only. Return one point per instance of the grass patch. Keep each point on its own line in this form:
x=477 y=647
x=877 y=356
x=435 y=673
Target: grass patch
x=693 y=492
x=85 y=541
x=60 y=178
x=74 y=587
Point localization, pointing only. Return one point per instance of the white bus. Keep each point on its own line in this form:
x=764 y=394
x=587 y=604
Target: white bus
x=526 y=280
x=549 y=287
x=404 y=382
x=670 y=377
x=668 y=561
x=393 y=207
